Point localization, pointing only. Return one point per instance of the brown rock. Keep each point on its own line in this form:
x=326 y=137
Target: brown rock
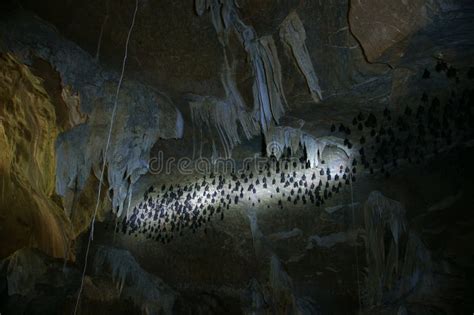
x=380 y=26
x=29 y=216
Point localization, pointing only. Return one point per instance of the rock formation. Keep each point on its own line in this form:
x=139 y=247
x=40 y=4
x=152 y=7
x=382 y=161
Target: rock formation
x=236 y=157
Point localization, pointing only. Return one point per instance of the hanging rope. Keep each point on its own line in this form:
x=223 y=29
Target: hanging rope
x=356 y=254
x=91 y=234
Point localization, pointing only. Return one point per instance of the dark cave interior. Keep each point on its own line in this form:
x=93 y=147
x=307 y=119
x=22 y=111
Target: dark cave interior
x=236 y=157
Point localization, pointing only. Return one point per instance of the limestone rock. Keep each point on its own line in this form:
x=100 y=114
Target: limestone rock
x=29 y=212
x=390 y=23
x=143 y=114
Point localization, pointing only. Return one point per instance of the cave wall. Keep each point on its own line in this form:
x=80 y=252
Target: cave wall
x=31 y=212
x=57 y=94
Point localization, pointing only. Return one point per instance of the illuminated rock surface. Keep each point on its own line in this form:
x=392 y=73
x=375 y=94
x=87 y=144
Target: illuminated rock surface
x=31 y=214
x=359 y=113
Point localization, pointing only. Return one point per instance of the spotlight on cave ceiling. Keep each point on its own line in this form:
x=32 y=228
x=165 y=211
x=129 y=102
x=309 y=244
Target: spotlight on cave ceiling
x=168 y=211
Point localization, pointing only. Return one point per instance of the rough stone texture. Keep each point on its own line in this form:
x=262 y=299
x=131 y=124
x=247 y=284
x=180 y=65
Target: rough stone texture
x=398 y=263
x=163 y=47
x=34 y=283
x=163 y=41
x=334 y=157
x=389 y=23
x=148 y=292
x=142 y=114
x=407 y=30
x=223 y=261
x=30 y=213
x=319 y=253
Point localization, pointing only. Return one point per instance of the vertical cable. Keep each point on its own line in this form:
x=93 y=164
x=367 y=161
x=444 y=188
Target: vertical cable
x=91 y=234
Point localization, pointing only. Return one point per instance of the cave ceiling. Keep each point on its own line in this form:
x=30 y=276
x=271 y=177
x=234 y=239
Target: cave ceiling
x=378 y=91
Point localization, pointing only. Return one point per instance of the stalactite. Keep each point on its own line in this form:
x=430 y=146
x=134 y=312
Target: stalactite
x=274 y=73
x=278 y=139
x=143 y=117
x=293 y=34
x=268 y=94
x=249 y=125
x=216 y=115
x=267 y=87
